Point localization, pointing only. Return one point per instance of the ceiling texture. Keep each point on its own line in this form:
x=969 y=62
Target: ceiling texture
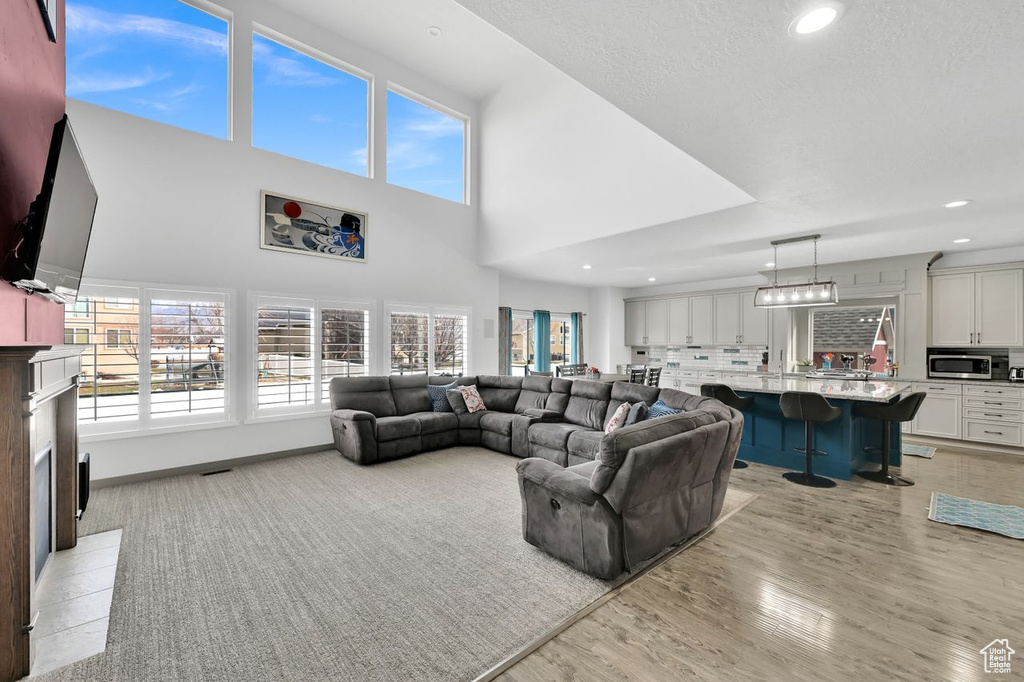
x=860 y=132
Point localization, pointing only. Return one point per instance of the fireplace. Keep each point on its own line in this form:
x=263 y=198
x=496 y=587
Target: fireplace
x=42 y=523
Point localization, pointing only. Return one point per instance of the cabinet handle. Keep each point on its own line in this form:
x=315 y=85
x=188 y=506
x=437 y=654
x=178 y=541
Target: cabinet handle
x=986 y=402
x=972 y=337
x=989 y=414
x=1000 y=392
x=995 y=433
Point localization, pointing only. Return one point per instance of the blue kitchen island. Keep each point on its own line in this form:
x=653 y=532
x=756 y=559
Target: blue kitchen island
x=770 y=438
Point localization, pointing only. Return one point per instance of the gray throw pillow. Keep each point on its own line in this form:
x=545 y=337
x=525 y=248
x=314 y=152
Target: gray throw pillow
x=439 y=397
x=456 y=400
x=637 y=413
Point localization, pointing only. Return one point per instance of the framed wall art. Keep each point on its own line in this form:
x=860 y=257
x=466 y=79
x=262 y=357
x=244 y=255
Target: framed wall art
x=301 y=226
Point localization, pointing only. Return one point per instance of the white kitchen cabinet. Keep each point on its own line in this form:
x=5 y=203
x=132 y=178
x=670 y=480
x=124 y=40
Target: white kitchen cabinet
x=941 y=412
x=702 y=320
x=679 y=320
x=999 y=308
x=983 y=308
x=657 y=322
x=727 y=319
x=754 y=321
x=636 y=323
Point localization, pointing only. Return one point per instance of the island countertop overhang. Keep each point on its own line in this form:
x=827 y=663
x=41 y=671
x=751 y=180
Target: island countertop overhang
x=836 y=389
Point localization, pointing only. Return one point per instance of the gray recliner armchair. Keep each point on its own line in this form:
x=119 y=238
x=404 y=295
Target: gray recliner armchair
x=654 y=485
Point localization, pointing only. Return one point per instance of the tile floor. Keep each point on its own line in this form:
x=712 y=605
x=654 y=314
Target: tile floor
x=73 y=599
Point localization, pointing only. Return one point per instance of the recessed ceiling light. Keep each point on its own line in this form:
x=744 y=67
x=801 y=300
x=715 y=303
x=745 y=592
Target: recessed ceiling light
x=957 y=204
x=587 y=267
x=434 y=31
x=652 y=279
x=816 y=18
x=769 y=265
x=961 y=241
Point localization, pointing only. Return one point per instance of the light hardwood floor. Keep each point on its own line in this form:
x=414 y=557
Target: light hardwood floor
x=851 y=583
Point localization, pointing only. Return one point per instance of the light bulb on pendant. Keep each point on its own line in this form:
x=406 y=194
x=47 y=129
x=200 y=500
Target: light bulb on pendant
x=795 y=297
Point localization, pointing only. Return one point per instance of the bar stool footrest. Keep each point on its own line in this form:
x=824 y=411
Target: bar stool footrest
x=888 y=478
x=801 y=478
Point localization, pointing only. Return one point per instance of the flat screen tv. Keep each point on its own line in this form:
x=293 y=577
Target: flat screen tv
x=49 y=253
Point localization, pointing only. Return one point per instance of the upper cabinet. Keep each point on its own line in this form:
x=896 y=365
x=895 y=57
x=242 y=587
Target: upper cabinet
x=727 y=319
x=647 y=323
x=983 y=308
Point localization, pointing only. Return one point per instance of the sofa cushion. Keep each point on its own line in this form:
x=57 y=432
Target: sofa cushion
x=585 y=443
x=456 y=400
x=410 y=393
x=680 y=400
x=393 y=428
x=586 y=470
x=588 y=404
x=500 y=393
x=369 y=394
x=558 y=399
x=471 y=396
x=618 y=418
x=553 y=435
x=497 y=422
x=470 y=422
x=534 y=394
x=660 y=409
x=439 y=398
x=436 y=422
x=625 y=392
x=637 y=413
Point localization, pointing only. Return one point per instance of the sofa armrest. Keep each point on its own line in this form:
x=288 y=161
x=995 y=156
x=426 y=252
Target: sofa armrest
x=542 y=415
x=554 y=478
x=355 y=415
x=355 y=435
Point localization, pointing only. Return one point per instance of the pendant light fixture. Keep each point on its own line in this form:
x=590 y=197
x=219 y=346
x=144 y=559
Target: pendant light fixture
x=803 y=295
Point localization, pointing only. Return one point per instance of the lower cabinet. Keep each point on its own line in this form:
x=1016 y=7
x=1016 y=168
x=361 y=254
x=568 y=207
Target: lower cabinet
x=941 y=413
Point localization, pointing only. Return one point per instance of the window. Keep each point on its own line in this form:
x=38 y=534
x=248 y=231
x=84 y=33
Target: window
x=307 y=108
x=522 y=342
x=426 y=148
x=561 y=339
x=76 y=311
x=450 y=344
x=410 y=342
x=120 y=303
x=284 y=365
x=344 y=344
x=864 y=333
x=162 y=59
x=120 y=338
x=428 y=341
x=108 y=389
x=187 y=353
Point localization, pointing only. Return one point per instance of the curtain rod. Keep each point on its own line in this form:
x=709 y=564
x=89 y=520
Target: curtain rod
x=553 y=312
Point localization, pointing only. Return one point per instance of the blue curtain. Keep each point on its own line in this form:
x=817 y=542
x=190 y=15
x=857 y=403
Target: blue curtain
x=576 y=325
x=541 y=341
x=505 y=341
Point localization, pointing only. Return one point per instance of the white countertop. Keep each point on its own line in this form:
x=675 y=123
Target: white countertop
x=865 y=391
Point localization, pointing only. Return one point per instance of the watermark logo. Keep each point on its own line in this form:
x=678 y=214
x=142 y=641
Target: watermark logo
x=997 y=656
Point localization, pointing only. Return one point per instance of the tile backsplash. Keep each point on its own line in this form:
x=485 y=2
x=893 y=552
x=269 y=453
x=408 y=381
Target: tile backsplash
x=673 y=357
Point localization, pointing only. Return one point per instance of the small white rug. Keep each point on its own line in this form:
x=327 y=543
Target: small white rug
x=925 y=451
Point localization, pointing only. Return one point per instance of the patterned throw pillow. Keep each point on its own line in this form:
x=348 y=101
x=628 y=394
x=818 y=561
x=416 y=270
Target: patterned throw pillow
x=474 y=403
x=618 y=419
x=439 y=398
x=661 y=409
x=637 y=413
x=456 y=400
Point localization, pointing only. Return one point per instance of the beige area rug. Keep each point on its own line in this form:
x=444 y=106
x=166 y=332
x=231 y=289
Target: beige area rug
x=314 y=568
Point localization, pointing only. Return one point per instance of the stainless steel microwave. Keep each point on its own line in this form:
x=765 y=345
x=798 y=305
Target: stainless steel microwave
x=960 y=366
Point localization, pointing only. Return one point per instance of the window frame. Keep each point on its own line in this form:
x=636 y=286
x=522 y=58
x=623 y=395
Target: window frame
x=466 y=139
x=75 y=331
x=319 y=404
x=391 y=307
x=329 y=60
x=144 y=423
x=228 y=17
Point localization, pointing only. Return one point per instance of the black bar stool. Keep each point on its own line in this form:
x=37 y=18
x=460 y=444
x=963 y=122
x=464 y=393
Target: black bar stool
x=902 y=410
x=812 y=409
x=725 y=394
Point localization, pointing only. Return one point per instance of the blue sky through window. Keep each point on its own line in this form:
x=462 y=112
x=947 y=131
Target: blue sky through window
x=307 y=109
x=159 y=59
x=425 y=149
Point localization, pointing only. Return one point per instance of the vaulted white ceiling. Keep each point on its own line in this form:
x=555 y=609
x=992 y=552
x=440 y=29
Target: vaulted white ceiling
x=861 y=132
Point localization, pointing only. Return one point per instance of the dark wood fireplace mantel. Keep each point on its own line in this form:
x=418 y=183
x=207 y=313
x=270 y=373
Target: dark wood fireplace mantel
x=38 y=407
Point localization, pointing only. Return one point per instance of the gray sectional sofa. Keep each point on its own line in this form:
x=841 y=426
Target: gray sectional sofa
x=600 y=502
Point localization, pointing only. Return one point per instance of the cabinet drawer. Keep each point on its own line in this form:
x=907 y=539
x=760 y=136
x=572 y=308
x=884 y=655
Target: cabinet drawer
x=993 y=432
x=950 y=389
x=994 y=414
x=994 y=401
x=997 y=391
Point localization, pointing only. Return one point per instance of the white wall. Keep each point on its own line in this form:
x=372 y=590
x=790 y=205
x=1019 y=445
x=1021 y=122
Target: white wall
x=562 y=166
x=181 y=208
x=608 y=322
